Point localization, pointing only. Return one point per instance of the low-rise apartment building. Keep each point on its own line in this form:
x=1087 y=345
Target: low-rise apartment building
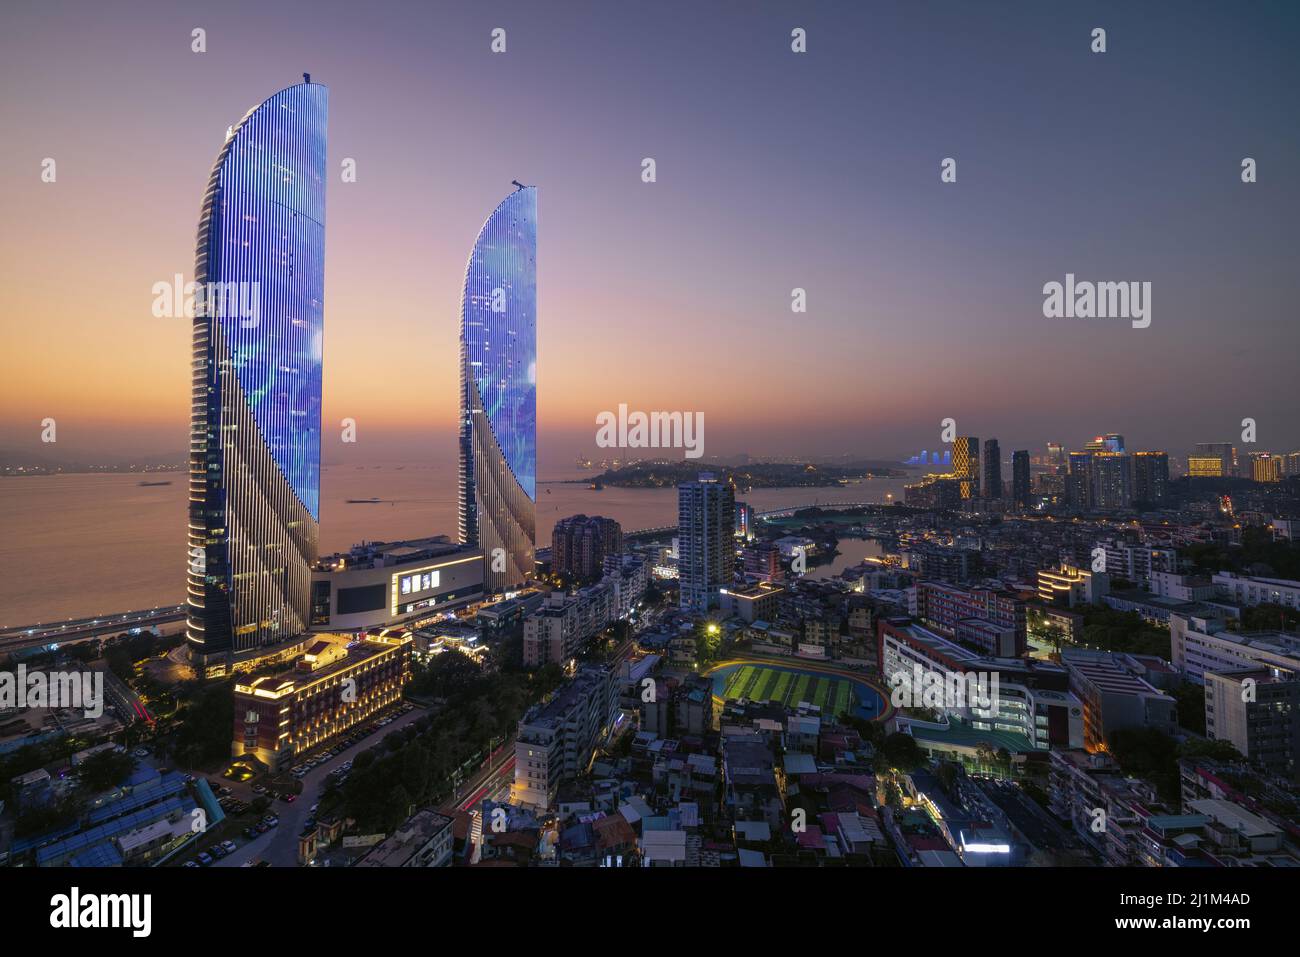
x=557 y=738
x=1115 y=695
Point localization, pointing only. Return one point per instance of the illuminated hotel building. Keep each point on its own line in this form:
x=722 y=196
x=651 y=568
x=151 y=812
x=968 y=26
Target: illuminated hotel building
x=1205 y=466
x=335 y=685
x=966 y=465
x=1199 y=463
x=1265 y=467
x=254 y=503
x=498 y=385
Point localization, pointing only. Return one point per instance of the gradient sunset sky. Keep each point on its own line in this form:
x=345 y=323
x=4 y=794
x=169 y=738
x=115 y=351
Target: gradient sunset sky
x=775 y=171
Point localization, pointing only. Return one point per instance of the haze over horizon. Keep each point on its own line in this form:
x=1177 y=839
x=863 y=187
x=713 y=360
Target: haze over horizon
x=775 y=171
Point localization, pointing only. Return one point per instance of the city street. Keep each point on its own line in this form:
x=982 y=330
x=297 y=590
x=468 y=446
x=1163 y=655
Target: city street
x=279 y=845
x=487 y=782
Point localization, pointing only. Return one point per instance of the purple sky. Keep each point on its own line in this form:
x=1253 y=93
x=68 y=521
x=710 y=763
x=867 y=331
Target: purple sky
x=775 y=170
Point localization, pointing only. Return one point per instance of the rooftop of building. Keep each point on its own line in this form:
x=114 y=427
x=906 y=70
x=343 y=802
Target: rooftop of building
x=758 y=590
x=961 y=656
x=1277 y=642
x=1261 y=676
x=1234 y=817
x=386 y=554
x=1233 y=576
x=1108 y=675
x=274 y=682
x=553 y=711
x=519 y=602
x=964 y=736
x=407 y=841
x=1137 y=596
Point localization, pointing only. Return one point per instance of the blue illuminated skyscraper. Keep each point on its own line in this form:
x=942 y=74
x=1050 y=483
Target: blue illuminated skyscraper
x=498 y=389
x=256 y=402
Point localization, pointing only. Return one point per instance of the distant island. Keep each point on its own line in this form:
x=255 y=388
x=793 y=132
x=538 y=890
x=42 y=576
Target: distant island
x=755 y=475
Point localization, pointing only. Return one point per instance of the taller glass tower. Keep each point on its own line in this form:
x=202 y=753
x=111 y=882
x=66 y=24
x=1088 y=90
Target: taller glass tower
x=498 y=392
x=256 y=405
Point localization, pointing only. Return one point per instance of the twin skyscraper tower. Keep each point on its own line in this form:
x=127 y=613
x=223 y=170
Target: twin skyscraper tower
x=255 y=423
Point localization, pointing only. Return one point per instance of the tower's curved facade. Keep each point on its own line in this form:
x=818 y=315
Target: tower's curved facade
x=498 y=392
x=256 y=405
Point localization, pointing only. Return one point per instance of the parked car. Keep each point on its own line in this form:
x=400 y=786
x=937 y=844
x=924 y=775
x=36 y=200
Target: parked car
x=229 y=846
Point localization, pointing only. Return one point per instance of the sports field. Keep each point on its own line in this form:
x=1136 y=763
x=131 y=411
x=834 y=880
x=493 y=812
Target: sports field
x=758 y=683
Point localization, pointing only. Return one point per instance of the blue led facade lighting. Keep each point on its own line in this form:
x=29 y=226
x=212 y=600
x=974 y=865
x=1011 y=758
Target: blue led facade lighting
x=256 y=406
x=498 y=378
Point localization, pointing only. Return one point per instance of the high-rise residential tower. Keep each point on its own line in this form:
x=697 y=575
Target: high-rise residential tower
x=1112 y=480
x=1078 y=484
x=580 y=544
x=255 y=421
x=1150 y=477
x=1020 y=478
x=706 y=554
x=992 y=463
x=498 y=392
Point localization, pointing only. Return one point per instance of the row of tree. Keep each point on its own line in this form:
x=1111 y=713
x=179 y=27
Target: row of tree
x=420 y=764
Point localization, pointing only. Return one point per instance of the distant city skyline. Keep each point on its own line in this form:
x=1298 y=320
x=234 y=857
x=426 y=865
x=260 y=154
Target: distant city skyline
x=560 y=457
x=925 y=297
